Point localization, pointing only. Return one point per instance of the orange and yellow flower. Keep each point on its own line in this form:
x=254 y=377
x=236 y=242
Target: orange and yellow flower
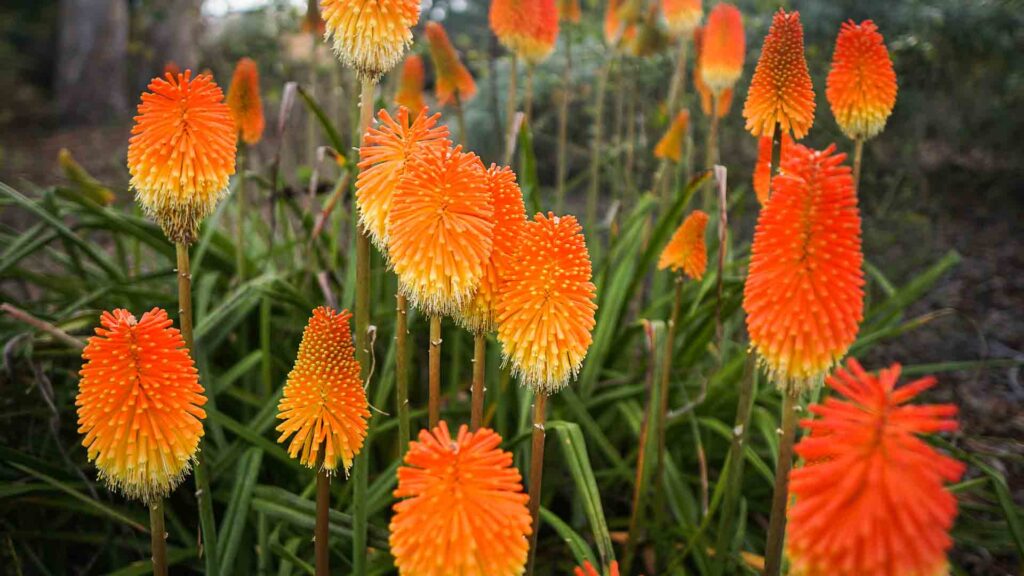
x=871 y=498
x=383 y=157
x=682 y=16
x=410 y=84
x=509 y=222
x=804 y=294
x=370 y=35
x=588 y=569
x=182 y=152
x=139 y=404
x=861 y=85
x=686 y=251
x=617 y=30
x=569 y=10
x=546 y=306
x=441 y=229
x=462 y=509
x=528 y=28
x=670 y=147
x=781 y=91
x=723 y=48
x=244 y=101
x=452 y=79
x=324 y=408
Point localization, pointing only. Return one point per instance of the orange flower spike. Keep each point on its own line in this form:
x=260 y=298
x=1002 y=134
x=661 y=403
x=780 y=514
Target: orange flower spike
x=509 y=222
x=546 y=305
x=324 y=408
x=670 y=147
x=616 y=30
x=686 y=251
x=182 y=152
x=861 y=86
x=781 y=90
x=725 y=98
x=244 y=101
x=452 y=77
x=804 y=294
x=462 y=507
x=763 y=169
x=441 y=229
x=410 y=84
x=723 y=48
x=383 y=157
x=370 y=35
x=139 y=404
x=528 y=28
x=682 y=16
x=569 y=11
x=871 y=498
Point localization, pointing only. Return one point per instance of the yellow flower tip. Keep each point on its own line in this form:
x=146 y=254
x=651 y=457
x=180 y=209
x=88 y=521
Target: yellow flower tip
x=546 y=305
x=370 y=36
x=441 y=229
x=244 y=101
x=182 y=152
x=529 y=28
x=781 y=91
x=861 y=85
x=383 y=156
x=452 y=78
x=670 y=147
x=139 y=404
x=410 y=84
x=509 y=221
x=804 y=293
x=324 y=408
x=723 y=48
x=682 y=16
x=686 y=252
x=461 y=507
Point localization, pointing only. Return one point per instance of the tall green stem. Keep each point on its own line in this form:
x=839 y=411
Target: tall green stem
x=158 y=537
x=712 y=151
x=563 y=125
x=678 y=86
x=476 y=418
x=360 y=475
x=596 y=147
x=460 y=116
x=434 y=367
x=243 y=157
x=528 y=96
x=666 y=378
x=858 y=153
x=510 y=109
x=402 y=371
x=780 y=497
x=321 y=538
x=203 y=495
x=540 y=400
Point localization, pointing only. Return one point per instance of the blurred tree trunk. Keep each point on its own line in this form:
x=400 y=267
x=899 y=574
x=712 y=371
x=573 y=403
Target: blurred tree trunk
x=171 y=33
x=91 y=60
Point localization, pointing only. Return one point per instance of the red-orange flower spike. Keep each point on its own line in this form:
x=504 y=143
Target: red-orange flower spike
x=588 y=569
x=871 y=497
x=385 y=152
x=546 y=305
x=370 y=35
x=725 y=98
x=324 y=406
x=682 y=16
x=781 y=90
x=139 y=404
x=244 y=101
x=182 y=152
x=861 y=85
x=451 y=77
x=410 y=84
x=670 y=147
x=462 y=507
x=804 y=294
x=509 y=222
x=686 y=251
x=724 y=48
x=441 y=229
x=616 y=29
x=529 y=28
x=569 y=10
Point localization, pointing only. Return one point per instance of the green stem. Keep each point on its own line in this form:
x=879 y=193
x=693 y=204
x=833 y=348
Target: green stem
x=402 y=371
x=479 y=370
x=678 y=86
x=858 y=153
x=563 y=125
x=712 y=151
x=666 y=378
x=321 y=540
x=158 y=537
x=528 y=97
x=360 y=475
x=510 y=110
x=266 y=365
x=434 y=367
x=460 y=116
x=540 y=400
x=207 y=523
x=594 y=191
x=242 y=210
x=780 y=497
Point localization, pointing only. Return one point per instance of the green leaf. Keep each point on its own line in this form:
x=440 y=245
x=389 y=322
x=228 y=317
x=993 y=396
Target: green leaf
x=236 y=518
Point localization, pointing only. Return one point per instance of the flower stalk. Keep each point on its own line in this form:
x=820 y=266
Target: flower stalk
x=434 y=361
x=479 y=370
x=402 y=371
x=540 y=400
x=858 y=153
x=158 y=537
x=780 y=496
x=321 y=535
